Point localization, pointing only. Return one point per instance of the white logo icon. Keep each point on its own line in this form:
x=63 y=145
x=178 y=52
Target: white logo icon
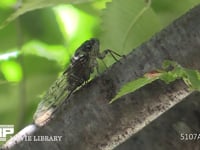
x=6 y=130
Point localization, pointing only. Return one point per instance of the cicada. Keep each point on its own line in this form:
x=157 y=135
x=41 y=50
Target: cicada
x=81 y=67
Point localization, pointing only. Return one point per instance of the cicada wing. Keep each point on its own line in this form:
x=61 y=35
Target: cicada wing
x=52 y=99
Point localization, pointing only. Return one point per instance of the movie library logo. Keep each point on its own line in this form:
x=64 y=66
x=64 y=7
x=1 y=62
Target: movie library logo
x=5 y=131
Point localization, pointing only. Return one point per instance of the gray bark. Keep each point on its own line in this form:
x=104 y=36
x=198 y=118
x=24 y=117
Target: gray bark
x=174 y=130
x=86 y=120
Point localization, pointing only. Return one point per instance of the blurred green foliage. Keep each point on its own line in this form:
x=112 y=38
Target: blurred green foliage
x=37 y=46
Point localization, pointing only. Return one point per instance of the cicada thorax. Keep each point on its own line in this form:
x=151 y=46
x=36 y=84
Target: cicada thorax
x=78 y=72
x=81 y=64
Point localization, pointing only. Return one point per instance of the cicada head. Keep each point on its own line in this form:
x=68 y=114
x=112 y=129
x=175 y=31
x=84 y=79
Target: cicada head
x=89 y=46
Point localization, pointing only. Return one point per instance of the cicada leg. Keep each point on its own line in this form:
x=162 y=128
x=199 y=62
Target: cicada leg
x=112 y=53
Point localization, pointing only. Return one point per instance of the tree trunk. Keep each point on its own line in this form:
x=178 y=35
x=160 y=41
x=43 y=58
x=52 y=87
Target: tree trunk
x=87 y=122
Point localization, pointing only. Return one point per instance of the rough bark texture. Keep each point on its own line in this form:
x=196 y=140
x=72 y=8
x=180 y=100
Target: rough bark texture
x=87 y=122
x=165 y=132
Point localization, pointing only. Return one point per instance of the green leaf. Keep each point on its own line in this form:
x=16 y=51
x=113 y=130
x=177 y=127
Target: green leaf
x=12 y=71
x=126 y=24
x=57 y=53
x=133 y=86
x=30 y=5
x=193 y=77
x=7 y=3
x=190 y=77
x=168 y=77
x=167 y=63
x=169 y=10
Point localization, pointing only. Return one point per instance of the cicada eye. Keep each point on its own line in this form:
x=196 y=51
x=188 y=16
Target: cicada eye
x=77 y=53
x=87 y=47
x=89 y=44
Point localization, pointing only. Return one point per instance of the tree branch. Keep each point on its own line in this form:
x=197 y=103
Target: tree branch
x=86 y=121
x=175 y=129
